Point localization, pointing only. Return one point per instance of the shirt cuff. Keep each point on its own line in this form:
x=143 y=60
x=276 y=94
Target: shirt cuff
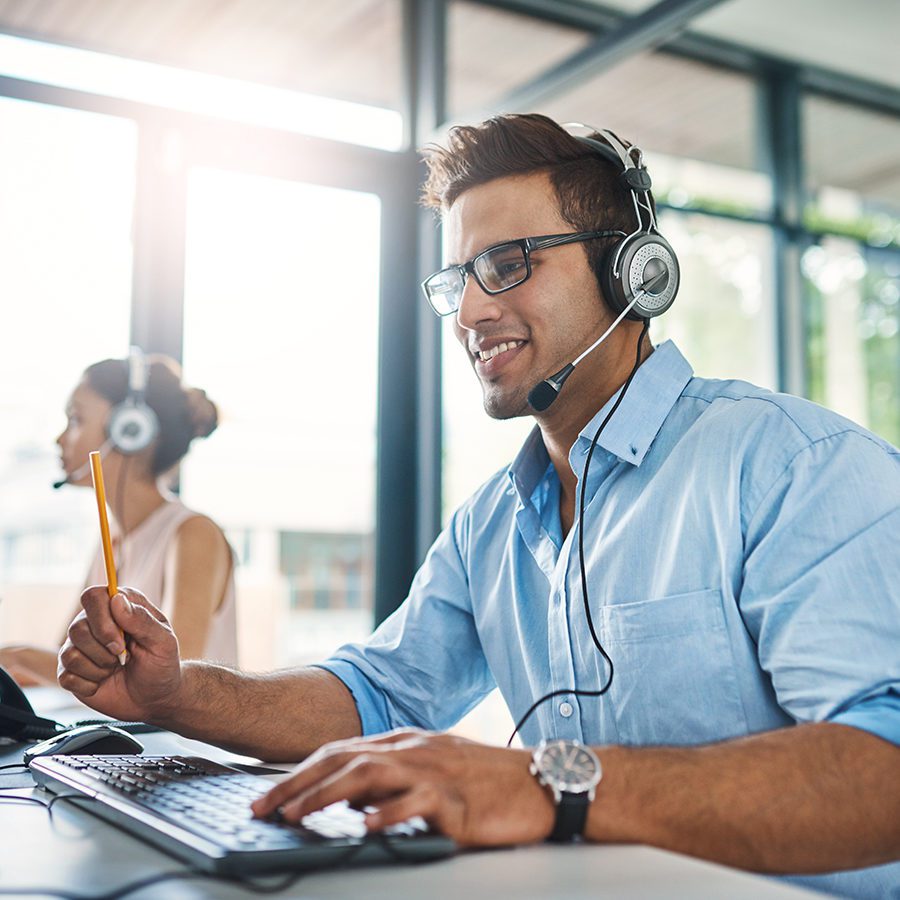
x=371 y=703
x=880 y=715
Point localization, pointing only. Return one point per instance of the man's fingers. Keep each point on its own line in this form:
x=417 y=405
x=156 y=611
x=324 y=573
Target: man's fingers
x=361 y=780
x=80 y=687
x=313 y=772
x=96 y=603
x=82 y=638
x=422 y=800
x=136 y=598
x=71 y=659
x=291 y=786
x=130 y=613
x=137 y=621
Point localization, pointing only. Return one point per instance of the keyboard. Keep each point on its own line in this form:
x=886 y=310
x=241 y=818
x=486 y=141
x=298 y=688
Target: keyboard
x=198 y=810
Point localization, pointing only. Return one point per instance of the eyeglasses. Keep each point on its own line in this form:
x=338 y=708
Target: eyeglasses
x=497 y=269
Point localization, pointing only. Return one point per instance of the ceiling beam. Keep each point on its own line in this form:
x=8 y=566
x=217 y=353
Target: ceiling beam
x=651 y=28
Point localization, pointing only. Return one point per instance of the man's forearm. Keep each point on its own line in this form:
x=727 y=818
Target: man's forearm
x=280 y=716
x=815 y=798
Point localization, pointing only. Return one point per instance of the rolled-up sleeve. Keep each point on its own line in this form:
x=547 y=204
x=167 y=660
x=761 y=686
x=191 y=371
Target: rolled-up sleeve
x=424 y=665
x=821 y=587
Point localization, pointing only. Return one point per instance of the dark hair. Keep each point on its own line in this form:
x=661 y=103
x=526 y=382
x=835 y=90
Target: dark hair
x=590 y=191
x=184 y=413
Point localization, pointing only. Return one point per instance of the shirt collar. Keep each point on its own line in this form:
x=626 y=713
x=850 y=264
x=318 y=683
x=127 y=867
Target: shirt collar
x=657 y=384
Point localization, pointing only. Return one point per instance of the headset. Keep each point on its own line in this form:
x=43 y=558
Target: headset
x=644 y=255
x=132 y=425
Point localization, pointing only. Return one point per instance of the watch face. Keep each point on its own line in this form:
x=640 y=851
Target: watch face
x=569 y=766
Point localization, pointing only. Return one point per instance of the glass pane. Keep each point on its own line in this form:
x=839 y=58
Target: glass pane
x=491 y=51
x=67 y=188
x=281 y=329
x=695 y=123
x=852 y=177
x=723 y=319
x=854 y=332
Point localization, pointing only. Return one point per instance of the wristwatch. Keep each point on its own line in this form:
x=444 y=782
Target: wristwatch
x=572 y=772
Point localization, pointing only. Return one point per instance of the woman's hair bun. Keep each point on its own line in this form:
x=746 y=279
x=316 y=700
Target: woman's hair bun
x=203 y=412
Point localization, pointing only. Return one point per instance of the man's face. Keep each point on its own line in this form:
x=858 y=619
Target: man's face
x=545 y=322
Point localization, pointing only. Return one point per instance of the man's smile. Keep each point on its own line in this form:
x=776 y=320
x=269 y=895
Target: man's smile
x=491 y=356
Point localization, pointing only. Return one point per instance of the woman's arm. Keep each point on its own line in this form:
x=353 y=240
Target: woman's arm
x=29 y=666
x=198 y=565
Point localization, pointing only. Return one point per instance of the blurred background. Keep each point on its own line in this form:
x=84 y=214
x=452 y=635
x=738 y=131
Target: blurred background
x=234 y=183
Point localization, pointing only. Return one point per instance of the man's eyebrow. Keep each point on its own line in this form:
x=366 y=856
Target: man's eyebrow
x=497 y=243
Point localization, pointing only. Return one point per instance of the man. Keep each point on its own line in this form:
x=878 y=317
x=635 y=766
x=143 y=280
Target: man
x=739 y=554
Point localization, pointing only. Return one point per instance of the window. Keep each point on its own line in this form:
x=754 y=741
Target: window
x=67 y=183
x=281 y=326
x=852 y=178
x=269 y=98
x=854 y=332
x=695 y=123
x=491 y=51
x=852 y=274
x=723 y=318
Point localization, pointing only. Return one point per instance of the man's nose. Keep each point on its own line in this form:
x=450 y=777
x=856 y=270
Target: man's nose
x=476 y=306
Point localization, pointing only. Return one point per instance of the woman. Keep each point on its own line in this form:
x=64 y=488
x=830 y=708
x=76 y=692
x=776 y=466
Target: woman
x=177 y=557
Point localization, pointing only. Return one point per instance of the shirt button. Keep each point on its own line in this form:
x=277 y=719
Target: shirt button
x=565 y=709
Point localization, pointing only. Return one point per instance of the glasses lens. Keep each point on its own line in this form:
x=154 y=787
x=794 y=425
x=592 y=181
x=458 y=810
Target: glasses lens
x=502 y=267
x=443 y=290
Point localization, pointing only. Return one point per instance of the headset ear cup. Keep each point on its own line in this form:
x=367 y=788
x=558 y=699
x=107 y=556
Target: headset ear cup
x=642 y=257
x=132 y=427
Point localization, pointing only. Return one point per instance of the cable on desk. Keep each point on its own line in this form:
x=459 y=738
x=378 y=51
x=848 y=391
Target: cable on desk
x=15 y=787
x=187 y=874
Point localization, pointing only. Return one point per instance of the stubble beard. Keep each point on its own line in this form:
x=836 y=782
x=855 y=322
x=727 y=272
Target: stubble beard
x=500 y=404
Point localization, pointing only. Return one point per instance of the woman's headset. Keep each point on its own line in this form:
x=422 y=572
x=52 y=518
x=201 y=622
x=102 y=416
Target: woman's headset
x=642 y=255
x=132 y=425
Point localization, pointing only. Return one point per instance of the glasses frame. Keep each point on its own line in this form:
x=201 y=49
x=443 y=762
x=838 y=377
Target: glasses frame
x=528 y=245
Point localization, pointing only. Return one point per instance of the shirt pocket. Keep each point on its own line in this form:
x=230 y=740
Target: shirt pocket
x=675 y=679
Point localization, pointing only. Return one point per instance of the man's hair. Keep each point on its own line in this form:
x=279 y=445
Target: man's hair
x=589 y=188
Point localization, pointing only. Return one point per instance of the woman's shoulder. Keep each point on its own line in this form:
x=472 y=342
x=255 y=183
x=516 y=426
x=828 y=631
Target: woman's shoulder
x=189 y=529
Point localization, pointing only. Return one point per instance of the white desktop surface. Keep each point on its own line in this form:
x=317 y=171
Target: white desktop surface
x=75 y=851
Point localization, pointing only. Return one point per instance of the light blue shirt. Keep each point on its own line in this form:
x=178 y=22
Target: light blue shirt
x=744 y=575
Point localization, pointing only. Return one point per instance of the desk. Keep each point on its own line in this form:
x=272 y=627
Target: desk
x=75 y=851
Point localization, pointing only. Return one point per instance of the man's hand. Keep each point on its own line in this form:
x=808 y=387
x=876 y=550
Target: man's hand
x=146 y=687
x=478 y=795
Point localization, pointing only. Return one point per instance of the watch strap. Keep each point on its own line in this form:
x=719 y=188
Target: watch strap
x=571 y=814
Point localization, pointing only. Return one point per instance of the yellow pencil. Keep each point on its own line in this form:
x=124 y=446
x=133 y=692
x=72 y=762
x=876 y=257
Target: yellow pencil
x=100 y=492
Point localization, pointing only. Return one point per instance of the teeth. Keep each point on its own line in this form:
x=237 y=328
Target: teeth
x=485 y=355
